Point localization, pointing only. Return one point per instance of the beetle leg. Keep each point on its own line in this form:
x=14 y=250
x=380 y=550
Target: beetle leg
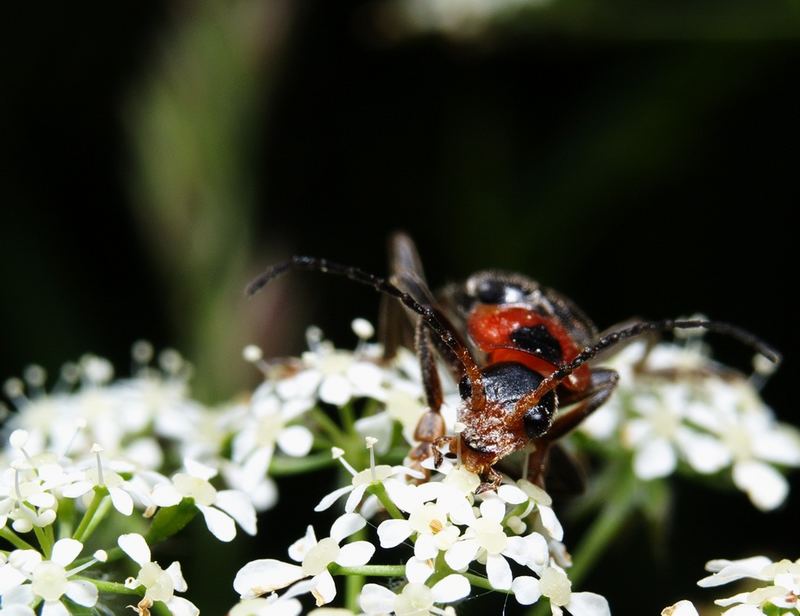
x=430 y=427
x=603 y=382
x=538 y=462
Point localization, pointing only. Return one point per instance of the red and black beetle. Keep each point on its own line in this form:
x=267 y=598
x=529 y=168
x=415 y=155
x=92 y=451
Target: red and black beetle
x=519 y=351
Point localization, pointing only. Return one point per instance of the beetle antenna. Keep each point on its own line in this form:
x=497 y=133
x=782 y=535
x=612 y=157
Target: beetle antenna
x=427 y=313
x=643 y=327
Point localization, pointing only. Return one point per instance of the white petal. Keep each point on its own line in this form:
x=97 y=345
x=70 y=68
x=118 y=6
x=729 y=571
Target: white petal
x=425 y=547
x=259 y=577
x=780 y=445
x=511 y=494
x=417 y=571
x=325 y=588
x=18 y=610
x=165 y=495
x=744 y=610
x=331 y=498
x=10 y=578
x=196 y=469
x=731 y=570
x=237 y=505
x=345 y=525
x=378 y=426
x=335 y=390
x=704 y=453
x=355 y=554
x=355 y=498
x=588 y=604
x=765 y=486
x=178 y=606
x=451 y=588
x=121 y=500
x=220 y=524
x=79 y=488
x=681 y=608
x=493 y=509
x=135 y=546
x=54 y=608
x=65 y=551
x=82 y=592
x=299 y=549
x=393 y=532
x=375 y=600
x=550 y=522
x=531 y=551
x=656 y=459
x=461 y=554
x=295 y=441
x=526 y=589
x=498 y=572
x=176 y=575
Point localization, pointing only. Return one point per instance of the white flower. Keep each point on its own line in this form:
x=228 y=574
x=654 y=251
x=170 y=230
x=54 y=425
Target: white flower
x=263 y=576
x=433 y=522
x=119 y=490
x=681 y=608
x=660 y=432
x=24 y=496
x=333 y=376
x=28 y=576
x=486 y=538
x=219 y=507
x=160 y=584
x=754 y=439
x=783 y=577
x=361 y=480
x=414 y=599
x=554 y=584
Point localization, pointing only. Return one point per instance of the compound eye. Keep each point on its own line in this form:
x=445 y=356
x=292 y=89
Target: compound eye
x=538 y=419
x=494 y=291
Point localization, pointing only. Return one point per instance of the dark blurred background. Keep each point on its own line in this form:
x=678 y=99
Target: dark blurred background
x=639 y=157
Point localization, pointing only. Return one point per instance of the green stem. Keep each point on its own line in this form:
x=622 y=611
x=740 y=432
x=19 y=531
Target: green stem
x=379 y=490
x=328 y=426
x=44 y=541
x=348 y=418
x=282 y=466
x=482 y=582
x=604 y=528
x=354 y=583
x=102 y=512
x=112 y=587
x=98 y=497
x=15 y=540
x=370 y=570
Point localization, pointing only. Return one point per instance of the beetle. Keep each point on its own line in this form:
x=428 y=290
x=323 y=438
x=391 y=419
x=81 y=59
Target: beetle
x=519 y=351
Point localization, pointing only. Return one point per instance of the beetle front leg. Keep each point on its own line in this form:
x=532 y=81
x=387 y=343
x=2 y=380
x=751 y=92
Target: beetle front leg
x=430 y=427
x=603 y=382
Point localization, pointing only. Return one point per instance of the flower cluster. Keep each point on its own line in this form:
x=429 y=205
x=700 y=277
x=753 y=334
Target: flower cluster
x=140 y=458
x=675 y=409
x=779 y=595
x=452 y=540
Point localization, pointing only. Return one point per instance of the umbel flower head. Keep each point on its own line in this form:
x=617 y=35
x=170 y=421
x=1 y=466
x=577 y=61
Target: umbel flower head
x=674 y=405
x=778 y=594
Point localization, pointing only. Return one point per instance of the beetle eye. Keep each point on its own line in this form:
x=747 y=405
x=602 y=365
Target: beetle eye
x=494 y=291
x=538 y=419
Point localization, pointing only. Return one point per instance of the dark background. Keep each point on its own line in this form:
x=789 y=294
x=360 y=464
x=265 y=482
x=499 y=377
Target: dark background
x=641 y=159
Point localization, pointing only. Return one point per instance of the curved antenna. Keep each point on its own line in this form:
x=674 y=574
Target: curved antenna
x=637 y=329
x=427 y=313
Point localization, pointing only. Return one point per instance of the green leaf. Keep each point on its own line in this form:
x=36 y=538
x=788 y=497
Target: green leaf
x=171 y=520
